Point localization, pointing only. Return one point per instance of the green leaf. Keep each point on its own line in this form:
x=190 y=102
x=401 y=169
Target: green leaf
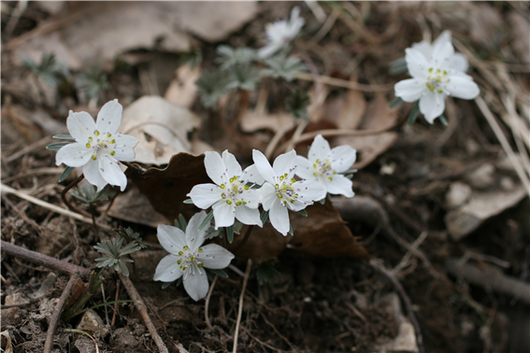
x=443 y=120
x=230 y=234
x=63 y=137
x=264 y=217
x=303 y=213
x=297 y=104
x=188 y=201
x=212 y=85
x=291 y=230
x=65 y=174
x=183 y=223
x=243 y=77
x=398 y=66
x=124 y=269
x=206 y=221
x=230 y=56
x=396 y=102
x=166 y=284
x=57 y=146
x=266 y=271
x=219 y=273
x=285 y=67
x=414 y=113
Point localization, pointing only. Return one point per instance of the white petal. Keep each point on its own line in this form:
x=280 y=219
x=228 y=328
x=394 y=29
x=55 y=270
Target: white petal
x=263 y=166
x=461 y=87
x=459 y=62
x=93 y=175
x=279 y=217
x=232 y=165
x=73 y=155
x=124 y=147
x=410 y=90
x=432 y=105
x=196 y=284
x=215 y=167
x=442 y=53
x=339 y=184
x=205 y=195
x=194 y=237
x=252 y=175
x=305 y=168
x=247 y=215
x=215 y=256
x=224 y=214
x=417 y=64
x=319 y=149
x=268 y=196
x=268 y=50
x=171 y=238
x=81 y=126
x=285 y=163
x=110 y=171
x=251 y=197
x=168 y=270
x=109 y=117
x=423 y=47
x=444 y=37
x=342 y=158
x=309 y=190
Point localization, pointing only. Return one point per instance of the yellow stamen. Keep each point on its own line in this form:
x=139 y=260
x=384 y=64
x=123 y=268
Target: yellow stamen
x=88 y=145
x=112 y=153
x=94 y=157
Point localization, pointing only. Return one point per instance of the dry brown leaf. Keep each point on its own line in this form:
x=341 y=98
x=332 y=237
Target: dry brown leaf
x=378 y=114
x=352 y=110
x=368 y=147
x=182 y=90
x=252 y=121
x=161 y=127
x=101 y=30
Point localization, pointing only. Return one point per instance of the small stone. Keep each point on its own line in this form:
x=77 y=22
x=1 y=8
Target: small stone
x=123 y=338
x=92 y=322
x=457 y=194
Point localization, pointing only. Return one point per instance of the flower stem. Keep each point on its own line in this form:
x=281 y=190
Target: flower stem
x=67 y=203
x=245 y=238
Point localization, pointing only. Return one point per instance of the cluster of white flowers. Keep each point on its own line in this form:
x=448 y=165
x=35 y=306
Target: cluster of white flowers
x=437 y=71
x=237 y=194
x=281 y=33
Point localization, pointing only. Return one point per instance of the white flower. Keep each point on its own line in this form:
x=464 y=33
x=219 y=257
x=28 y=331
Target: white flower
x=323 y=165
x=281 y=33
x=230 y=196
x=432 y=80
x=188 y=258
x=281 y=191
x=457 y=61
x=98 y=146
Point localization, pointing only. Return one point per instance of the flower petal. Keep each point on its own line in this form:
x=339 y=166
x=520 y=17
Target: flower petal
x=417 y=64
x=339 y=184
x=215 y=167
x=194 y=236
x=423 y=47
x=269 y=49
x=319 y=149
x=285 y=163
x=309 y=190
x=110 y=171
x=268 y=196
x=232 y=165
x=251 y=197
x=168 y=270
x=171 y=238
x=109 y=117
x=205 y=195
x=80 y=125
x=215 y=256
x=124 y=147
x=247 y=215
x=263 y=166
x=279 y=217
x=342 y=158
x=459 y=62
x=73 y=155
x=432 y=105
x=410 y=90
x=92 y=174
x=224 y=214
x=444 y=37
x=252 y=175
x=441 y=54
x=305 y=168
x=462 y=87
x=196 y=284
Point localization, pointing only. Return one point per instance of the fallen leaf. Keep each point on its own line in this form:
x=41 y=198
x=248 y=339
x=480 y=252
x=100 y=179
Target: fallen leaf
x=378 y=114
x=353 y=109
x=252 y=121
x=368 y=147
x=161 y=127
x=182 y=90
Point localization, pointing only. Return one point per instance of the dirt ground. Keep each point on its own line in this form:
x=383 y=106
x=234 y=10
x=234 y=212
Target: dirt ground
x=443 y=211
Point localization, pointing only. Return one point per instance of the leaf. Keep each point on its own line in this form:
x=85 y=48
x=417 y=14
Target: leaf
x=57 y=146
x=206 y=221
x=414 y=113
x=65 y=174
x=64 y=137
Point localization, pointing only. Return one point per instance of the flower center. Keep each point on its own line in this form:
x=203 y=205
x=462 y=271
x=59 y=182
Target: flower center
x=188 y=259
x=234 y=191
x=285 y=190
x=324 y=169
x=436 y=80
x=100 y=144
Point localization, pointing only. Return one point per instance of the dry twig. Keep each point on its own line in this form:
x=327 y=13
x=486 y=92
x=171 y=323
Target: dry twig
x=240 y=310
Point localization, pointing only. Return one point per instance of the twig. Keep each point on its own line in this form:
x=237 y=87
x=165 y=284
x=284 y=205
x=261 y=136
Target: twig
x=344 y=83
x=375 y=263
x=116 y=304
x=140 y=306
x=504 y=142
x=48 y=345
x=241 y=297
x=49 y=206
x=413 y=248
x=86 y=334
x=245 y=238
x=67 y=203
x=43 y=260
x=31 y=172
x=38 y=144
x=207 y=304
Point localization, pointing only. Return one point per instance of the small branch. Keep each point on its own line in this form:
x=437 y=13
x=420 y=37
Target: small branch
x=245 y=238
x=376 y=264
x=207 y=304
x=140 y=306
x=43 y=260
x=48 y=345
x=67 y=203
x=241 y=297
